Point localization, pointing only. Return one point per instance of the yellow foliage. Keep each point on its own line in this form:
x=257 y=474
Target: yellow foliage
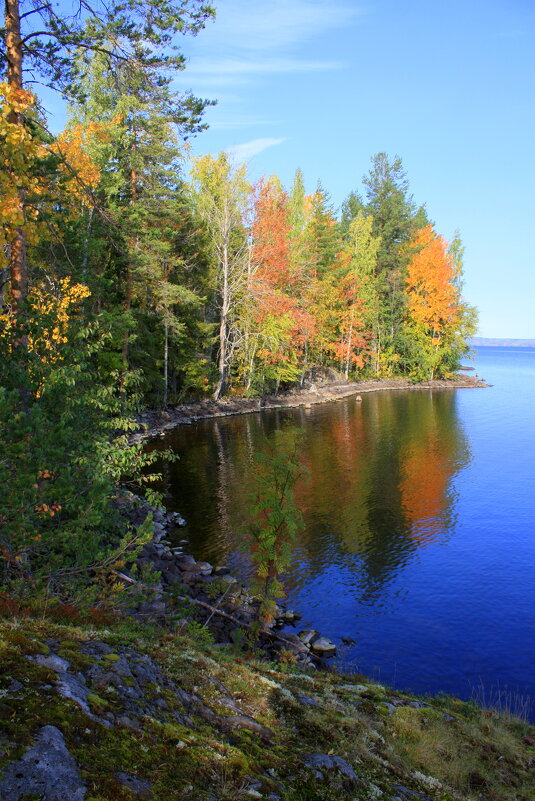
x=22 y=185
x=49 y=316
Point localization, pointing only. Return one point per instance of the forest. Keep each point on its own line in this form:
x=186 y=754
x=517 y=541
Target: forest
x=134 y=275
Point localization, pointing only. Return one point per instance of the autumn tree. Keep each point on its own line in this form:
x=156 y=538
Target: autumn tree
x=438 y=320
x=277 y=332
x=359 y=315
x=41 y=41
x=220 y=194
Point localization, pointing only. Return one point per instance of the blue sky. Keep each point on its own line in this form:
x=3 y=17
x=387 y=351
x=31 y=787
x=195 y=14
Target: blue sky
x=448 y=86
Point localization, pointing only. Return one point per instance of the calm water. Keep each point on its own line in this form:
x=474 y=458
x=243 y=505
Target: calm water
x=419 y=513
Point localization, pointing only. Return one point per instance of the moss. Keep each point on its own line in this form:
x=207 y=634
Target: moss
x=97 y=703
x=475 y=754
x=112 y=658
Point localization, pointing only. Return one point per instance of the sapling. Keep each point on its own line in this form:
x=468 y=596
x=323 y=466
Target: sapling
x=275 y=520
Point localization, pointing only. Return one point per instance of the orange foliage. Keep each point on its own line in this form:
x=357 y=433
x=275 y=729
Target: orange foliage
x=20 y=175
x=432 y=295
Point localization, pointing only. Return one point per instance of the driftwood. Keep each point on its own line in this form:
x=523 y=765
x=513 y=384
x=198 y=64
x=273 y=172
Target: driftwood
x=242 y=623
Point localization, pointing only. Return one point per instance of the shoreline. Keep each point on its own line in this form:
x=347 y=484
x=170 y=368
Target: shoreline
x=156 y=423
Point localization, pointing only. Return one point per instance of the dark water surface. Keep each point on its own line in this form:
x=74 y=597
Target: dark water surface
x=419 y=511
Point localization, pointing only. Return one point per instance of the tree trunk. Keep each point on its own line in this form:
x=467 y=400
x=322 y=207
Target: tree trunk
x=166 y=365
x=18 y=261
x=348 y=353
x=128 y=289
x=223 y=323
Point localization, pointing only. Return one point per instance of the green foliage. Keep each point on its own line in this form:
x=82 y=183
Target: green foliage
x=64 y=448
x=275 y=519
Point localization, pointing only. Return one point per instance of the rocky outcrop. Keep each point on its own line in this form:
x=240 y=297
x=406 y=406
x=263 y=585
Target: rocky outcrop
x=47 y=770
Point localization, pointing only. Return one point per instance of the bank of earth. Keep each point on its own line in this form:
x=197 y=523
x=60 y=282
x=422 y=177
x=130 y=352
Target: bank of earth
x=323 y=390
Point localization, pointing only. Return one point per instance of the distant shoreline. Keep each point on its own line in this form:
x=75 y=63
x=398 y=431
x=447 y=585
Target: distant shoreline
x=494 y=342
x=156 y=422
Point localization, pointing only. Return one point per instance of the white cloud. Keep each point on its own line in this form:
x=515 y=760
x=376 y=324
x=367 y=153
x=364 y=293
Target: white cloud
x=247 y=150
x=250 y=38
x=240 y=122
x=278 y=24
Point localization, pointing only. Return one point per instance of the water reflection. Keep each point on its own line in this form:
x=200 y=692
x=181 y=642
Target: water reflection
x=380 y=485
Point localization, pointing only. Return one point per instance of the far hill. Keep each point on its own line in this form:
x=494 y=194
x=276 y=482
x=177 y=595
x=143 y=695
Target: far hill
x=483 y=342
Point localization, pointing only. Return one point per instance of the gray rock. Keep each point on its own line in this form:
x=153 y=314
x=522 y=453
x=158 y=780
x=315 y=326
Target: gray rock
x=294 y=642
x=306 y=700
x=47 y=770
x=124 y=720
x=323 y=647
x=319 y=762
x=405 y=792
x=132 y=782
x=69 y=685
x=52 y=661
x=308 y=635
x=74 y=687
x=185 y=561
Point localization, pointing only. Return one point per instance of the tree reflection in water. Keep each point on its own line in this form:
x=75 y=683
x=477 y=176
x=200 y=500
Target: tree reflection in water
x=380 y=483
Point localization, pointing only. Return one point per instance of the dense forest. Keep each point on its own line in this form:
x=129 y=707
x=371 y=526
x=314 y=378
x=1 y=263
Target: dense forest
x=132 y=275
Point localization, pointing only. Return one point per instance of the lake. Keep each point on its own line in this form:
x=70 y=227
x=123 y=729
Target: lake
x=419 y=541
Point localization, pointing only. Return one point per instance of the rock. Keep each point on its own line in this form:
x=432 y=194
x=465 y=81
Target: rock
x=124 y=720
x=52 y=661
x=294 y=642
x=307 y=636
x=405 y=792
x=205 y=568
x=133 y=783
x=185 y=562
x=228 y=579
x=348 y=641
x=319 y=762
x=47 y=771
x=323 y=647
x=155 y=608
x=306 y=700
x=289 y=616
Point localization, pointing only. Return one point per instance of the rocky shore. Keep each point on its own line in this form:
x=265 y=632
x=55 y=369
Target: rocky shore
x=154 y=423
x=182 y=697
x=210 y=594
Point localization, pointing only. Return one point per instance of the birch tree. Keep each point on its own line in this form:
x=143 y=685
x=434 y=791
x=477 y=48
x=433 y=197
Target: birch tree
x=221 y=194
